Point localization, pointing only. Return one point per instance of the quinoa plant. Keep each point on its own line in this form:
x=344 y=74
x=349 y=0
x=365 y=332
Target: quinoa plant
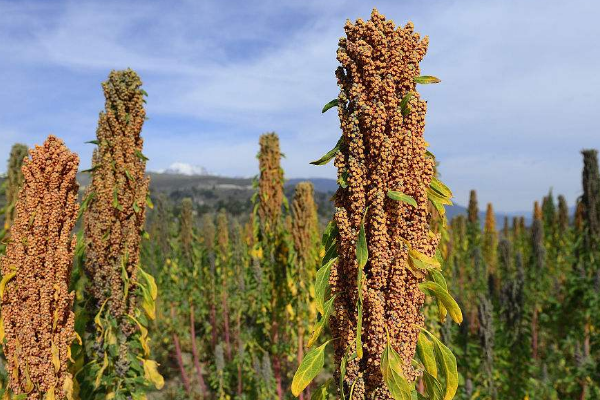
x=122 y=294
x=380 y=253
x=37 y=318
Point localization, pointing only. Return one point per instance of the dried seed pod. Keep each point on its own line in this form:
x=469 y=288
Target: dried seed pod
x=36 y=304
x=381 y=150
x=490 y=239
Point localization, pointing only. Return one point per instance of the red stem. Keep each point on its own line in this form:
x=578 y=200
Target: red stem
x=184 y=377
x=226 y=321
x=195 y=352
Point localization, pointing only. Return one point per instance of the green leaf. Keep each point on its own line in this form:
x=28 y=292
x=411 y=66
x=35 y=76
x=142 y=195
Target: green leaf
x=142 y=91
x=439 y=279
x=443 y=295
x=426 y=354
x=322 y=392
x=149 y=202
x=309 y=368
x=322 y=322
x=359 y=347
x=404 y=109
x=330 y=235
x=433 y=387
x=116 y=200
x=321 y=285
x=93 y=142
x=136 y=208
x=139 y=155
x=447 y=366
x=399 y=196
x=362 y=252
x=91 y=169
x=330 y=154
x=439 y=187
x=391 y=369
x=437 y=198
x=426 y=79
x=331 y=104
x=343 y=180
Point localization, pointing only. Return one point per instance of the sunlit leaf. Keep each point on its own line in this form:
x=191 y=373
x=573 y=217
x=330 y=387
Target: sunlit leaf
x=426 y=79
x=399 y=196
x=445 y=297
x=321 y=285
x=309 y=368
x=329 y=155
x=322 y=322
x=331 y=104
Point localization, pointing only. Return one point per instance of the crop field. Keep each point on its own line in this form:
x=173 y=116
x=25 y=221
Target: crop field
x=114 y=286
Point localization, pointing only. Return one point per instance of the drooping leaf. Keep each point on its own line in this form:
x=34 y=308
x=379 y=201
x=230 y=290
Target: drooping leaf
x=329 y=155
x=141 y=156
x=5 y=279
x=362 y=251
x=438 y=198
x=322 y=392
x=309 y=368
x=100 y=372
x=152 y=287
x=433 y=387
x=399 y=196
x=446 y=299
x=321 y=285
x=426 y=79
x=322 y=322
x=446 y=366
x=439 y=187
x=359 y=346
x=331 y=104
x=426 y=354
x=93 y=142
x=404 y=109
x=55 y=357
x=393 y=376
x=152 y=375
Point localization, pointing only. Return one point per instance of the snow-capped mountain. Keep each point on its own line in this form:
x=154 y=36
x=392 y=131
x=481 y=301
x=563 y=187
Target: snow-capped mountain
x=185 y=169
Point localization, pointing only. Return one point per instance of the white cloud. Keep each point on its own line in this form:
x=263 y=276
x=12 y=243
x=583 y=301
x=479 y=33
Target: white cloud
x=517 y=82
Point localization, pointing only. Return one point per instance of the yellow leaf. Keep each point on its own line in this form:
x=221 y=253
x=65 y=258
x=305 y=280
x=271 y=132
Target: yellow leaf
x=4 y=281
x=101 y=371
x=143 y=336
x=98 y=321
x=55 y=358
x=151 y=373
x=68 y=387
x=2 y=334
x=50 y=394
x=151 y=283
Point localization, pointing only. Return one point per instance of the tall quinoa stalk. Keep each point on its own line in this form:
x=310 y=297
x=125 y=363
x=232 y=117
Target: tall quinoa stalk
x=306 y=243
x=490 y=247
x=380 y=250
x=113 y=226
x=37 y=316
x=14 y=181
x=591 y=199
x=270 y=223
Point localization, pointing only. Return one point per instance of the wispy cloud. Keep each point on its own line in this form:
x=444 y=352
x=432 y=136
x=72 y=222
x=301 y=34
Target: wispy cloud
x=515 y=106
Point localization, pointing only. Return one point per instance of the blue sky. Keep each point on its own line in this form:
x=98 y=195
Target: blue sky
x=519 y=96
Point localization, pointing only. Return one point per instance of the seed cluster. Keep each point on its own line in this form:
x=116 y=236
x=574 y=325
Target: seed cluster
x=381 y=150
x=305 y=222
x=115 y=215
x=36 y=306
x=270 y=189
